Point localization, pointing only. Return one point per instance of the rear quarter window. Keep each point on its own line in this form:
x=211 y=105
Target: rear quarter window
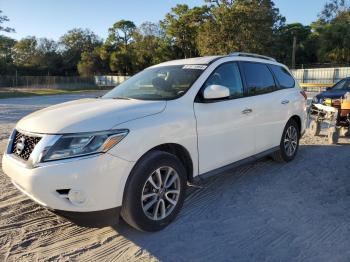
x=285 y=80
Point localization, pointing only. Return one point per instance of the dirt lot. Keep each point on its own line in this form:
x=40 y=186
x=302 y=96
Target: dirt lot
x=265 y=211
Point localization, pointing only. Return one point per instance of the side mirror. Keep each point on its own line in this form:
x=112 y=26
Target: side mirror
x=216 y=92
x=328 y=88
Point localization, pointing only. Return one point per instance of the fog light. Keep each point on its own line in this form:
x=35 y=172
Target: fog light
x=76 y=197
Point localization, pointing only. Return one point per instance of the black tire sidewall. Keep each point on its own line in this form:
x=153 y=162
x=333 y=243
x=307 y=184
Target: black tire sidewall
x=284 y=155
x=132 y=210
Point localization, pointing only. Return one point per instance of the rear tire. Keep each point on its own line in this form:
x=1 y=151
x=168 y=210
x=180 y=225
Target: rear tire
x=150 y=203
x=289 y=144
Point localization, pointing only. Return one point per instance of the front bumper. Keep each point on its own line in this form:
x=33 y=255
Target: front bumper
x=101 y=178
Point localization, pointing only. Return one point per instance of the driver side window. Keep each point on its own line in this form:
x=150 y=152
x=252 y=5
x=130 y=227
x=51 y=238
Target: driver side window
x=227 y=75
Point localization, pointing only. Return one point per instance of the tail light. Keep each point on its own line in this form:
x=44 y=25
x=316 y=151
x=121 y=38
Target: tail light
x=303 y=94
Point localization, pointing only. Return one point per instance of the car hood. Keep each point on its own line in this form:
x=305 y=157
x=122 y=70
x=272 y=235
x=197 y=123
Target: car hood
x=332 y=94
x=88 y=115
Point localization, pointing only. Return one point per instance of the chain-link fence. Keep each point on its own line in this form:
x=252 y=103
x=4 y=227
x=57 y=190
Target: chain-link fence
x=60 y=82
x=318 y=79
x=50 y=82
x=321 y=75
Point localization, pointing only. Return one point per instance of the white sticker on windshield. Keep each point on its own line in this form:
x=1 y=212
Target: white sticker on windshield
x=200 y=67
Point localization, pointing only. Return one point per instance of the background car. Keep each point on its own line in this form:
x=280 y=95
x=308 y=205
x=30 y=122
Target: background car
x=335 y=92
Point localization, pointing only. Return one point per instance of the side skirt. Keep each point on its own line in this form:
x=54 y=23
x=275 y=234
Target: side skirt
x=234 y=165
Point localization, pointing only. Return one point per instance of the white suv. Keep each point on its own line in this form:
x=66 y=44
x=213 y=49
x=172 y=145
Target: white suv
x=133 y=151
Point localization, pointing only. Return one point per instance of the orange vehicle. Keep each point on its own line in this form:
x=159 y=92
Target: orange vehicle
x=343 y=105
x=344 y=108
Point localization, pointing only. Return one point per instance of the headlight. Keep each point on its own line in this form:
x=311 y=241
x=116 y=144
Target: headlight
x=73 y=145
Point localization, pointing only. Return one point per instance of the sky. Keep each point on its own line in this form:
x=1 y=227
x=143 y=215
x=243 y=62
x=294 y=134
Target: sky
x=53 y=18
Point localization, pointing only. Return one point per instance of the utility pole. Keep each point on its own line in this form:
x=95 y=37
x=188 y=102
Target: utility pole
x=16 y=78
x=294 y=50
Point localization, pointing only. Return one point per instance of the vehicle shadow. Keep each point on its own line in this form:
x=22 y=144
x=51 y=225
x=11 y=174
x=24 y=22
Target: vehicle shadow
x=265 y=211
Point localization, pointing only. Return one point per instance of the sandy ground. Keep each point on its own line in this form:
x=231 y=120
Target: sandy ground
x=264 y=211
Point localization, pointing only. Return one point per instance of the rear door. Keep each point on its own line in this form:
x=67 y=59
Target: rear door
x=291 y=100
x=269 y=103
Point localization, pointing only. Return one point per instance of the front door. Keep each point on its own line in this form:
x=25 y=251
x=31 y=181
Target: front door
x=225 y=128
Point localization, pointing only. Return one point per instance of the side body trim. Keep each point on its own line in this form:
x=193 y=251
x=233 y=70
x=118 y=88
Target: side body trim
x=234 y=165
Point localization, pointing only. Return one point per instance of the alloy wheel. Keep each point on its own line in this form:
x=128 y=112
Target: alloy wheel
x=291 y=141
x=160 y=193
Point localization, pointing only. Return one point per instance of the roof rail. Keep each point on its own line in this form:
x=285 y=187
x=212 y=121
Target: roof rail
x=253 y=55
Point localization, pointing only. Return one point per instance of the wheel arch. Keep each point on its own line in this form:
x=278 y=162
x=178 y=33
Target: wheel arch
x=297 y=119
x=181 y=153
x=172 y=148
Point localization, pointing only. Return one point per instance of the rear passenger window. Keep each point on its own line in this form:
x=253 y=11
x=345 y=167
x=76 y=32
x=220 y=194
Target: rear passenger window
x=227 y=75
x=258 y=78
x=284 y=79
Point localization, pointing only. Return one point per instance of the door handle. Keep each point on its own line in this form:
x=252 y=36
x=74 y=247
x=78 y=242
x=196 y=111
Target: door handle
x=247 y=111
x=284 y=102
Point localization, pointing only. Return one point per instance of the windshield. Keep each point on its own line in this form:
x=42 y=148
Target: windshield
x=342 y=85
x=159 y=83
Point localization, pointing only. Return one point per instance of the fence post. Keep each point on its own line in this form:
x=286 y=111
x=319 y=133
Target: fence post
x=335 y=73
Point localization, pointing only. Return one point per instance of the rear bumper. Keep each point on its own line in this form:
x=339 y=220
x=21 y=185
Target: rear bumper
x=97 y=219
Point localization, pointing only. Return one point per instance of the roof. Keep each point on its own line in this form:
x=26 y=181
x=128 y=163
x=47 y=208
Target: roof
x=190 y=61
x=206 y=60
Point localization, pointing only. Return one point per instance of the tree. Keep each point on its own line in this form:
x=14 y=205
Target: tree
x=25 y=52
x=334 y=40
x=3 y=19
x=240 y=25
x=6 y=44
x=91 y=63
x=220 y=2
x=333 y=32
x=48 y=58
x=305 y=48
x=332 y=9
x=181 y=26
x=150 y=46
x=6 y=63
x=117 y=46
x=121 y=32
x=37 y=56
x=73 y=44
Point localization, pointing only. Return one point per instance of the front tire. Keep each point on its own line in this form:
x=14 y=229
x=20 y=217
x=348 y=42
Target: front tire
x=289 y=144
x=155 y=191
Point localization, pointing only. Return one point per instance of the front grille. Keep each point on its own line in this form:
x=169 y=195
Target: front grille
x=23 y=145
